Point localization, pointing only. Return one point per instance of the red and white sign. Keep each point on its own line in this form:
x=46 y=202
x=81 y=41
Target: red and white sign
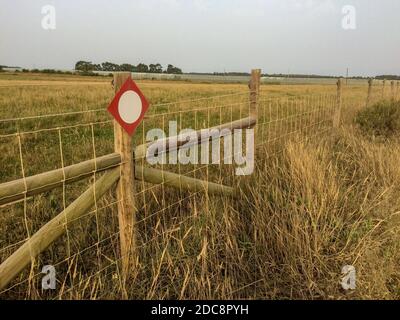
x=129 y=106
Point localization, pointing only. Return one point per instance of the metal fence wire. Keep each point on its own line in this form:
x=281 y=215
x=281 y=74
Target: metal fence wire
x=64 y=210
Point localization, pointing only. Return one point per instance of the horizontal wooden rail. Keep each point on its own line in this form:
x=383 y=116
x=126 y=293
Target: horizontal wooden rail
x=15 y=190
x=52 y=230
x=181 y=182
x=176 y=142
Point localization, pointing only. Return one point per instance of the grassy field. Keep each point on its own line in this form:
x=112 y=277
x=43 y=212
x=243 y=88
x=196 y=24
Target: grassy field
x=319 y=198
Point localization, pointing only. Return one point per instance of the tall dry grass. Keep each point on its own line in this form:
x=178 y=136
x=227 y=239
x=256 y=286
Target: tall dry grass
x=325 y=204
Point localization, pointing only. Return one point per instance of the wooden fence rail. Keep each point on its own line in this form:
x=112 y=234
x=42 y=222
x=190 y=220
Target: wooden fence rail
x=182 y=182
x=52 y=230
x=177 y=142
x=17 y=189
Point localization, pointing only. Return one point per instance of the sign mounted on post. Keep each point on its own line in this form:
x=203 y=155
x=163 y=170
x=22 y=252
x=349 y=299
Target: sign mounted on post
x=129 y=106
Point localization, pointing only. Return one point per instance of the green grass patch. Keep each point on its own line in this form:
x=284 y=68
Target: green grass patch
x=381 y=119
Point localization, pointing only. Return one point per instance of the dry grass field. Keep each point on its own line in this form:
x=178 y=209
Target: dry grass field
x=319 y=198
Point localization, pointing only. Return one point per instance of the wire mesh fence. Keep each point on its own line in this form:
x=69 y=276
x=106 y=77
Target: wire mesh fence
x=87 y=256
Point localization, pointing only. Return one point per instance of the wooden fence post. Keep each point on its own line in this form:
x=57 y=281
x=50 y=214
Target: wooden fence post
x=383 y=89
x=125 y=190
x=393 y=94
x=338 y=110
x=254 y=87
x=370 y=82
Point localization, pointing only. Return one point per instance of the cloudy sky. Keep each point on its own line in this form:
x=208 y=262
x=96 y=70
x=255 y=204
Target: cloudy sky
x=279 y=36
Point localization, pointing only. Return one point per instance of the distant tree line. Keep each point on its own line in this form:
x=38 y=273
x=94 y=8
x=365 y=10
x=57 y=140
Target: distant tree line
x=388 y=77
x=87 y=66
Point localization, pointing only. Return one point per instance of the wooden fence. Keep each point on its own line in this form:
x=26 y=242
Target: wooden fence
x=273 y=121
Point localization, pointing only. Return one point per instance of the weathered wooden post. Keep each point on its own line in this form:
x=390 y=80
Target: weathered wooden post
x=392 y=91
x=254 y=87
x=338 y=110
x=383 y=89
x=370 y=83
x=125 y=189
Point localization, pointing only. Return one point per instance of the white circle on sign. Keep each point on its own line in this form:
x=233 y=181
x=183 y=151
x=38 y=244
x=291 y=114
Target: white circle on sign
x=130 y=106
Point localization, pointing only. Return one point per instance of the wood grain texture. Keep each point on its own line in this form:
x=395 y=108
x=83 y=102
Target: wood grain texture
x=15 y=190
x=125 y=189
x=177 y=181
x=165 y=146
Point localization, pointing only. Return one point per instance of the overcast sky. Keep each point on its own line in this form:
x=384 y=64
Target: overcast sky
x=279 y=36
